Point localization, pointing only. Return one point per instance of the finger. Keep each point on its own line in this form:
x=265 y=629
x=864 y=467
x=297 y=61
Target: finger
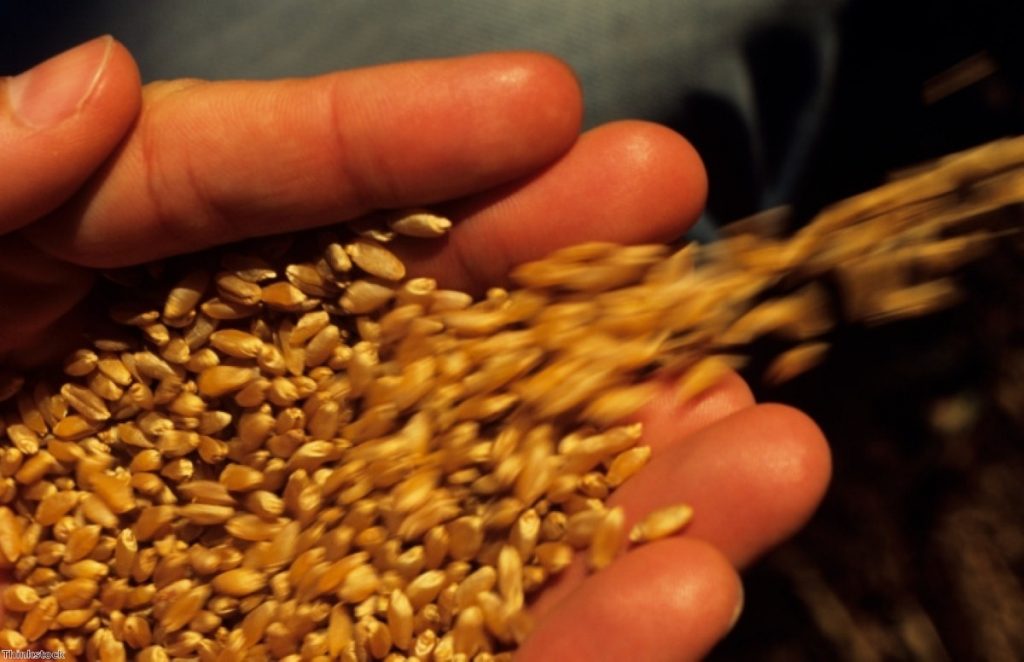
x=670 y=600
x=753 y=479
x=58 y=122
x=210 y=163
x=667 y=420
x=628 y=182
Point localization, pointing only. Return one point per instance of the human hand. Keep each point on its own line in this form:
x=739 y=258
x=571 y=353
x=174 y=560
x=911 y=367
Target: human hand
x=491 y=141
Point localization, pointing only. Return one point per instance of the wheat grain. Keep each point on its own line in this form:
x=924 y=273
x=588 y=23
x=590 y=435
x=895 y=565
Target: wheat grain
x=20 y=597
x=794 y=361
x=608 y=536
x=419 y=224
x=661 y=523
x=185 y=295
x=239 y=582
x=35 y=468
x=82 y=542
x=308 y=280
x=374 y=259
x=315 y=457
x=39 y=618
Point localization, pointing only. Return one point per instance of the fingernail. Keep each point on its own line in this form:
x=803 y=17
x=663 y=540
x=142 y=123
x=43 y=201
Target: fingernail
x=739 y=608
x=54 y=90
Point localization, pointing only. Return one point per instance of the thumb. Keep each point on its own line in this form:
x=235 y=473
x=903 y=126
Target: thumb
x=58 y=122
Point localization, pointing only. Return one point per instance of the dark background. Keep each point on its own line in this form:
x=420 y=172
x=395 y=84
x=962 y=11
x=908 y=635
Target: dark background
x=918 y=551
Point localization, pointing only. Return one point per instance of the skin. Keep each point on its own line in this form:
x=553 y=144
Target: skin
x=493 y=140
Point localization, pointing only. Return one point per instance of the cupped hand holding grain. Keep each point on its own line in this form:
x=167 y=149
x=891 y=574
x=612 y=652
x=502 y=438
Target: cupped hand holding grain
x=100 y=172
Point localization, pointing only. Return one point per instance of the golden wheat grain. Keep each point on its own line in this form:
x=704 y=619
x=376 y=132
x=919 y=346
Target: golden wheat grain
x=609 y=534
x=307 y=455
x=661 y=523
x=420 y=224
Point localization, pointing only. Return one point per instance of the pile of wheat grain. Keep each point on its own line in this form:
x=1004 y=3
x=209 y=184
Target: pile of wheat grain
x=304 y=454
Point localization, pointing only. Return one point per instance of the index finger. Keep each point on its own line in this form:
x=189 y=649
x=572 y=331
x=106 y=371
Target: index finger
x=210 y=163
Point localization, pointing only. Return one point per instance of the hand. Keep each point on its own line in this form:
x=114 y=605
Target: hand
x=101 y=174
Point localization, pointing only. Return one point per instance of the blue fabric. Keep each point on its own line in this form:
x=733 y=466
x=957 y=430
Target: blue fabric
x=693 y=64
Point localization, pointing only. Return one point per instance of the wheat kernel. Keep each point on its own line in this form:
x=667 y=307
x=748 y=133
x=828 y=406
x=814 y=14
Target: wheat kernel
x=661 y=523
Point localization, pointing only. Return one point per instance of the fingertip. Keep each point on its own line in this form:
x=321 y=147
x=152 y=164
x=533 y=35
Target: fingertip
x=58 y=123
x=673 y=173
x=118 y=93
x=753 y=479
x=796 y=464
x=551 y=85
x=627 y=182
x=459 y=126
x=668 y=600
x=767 y=468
